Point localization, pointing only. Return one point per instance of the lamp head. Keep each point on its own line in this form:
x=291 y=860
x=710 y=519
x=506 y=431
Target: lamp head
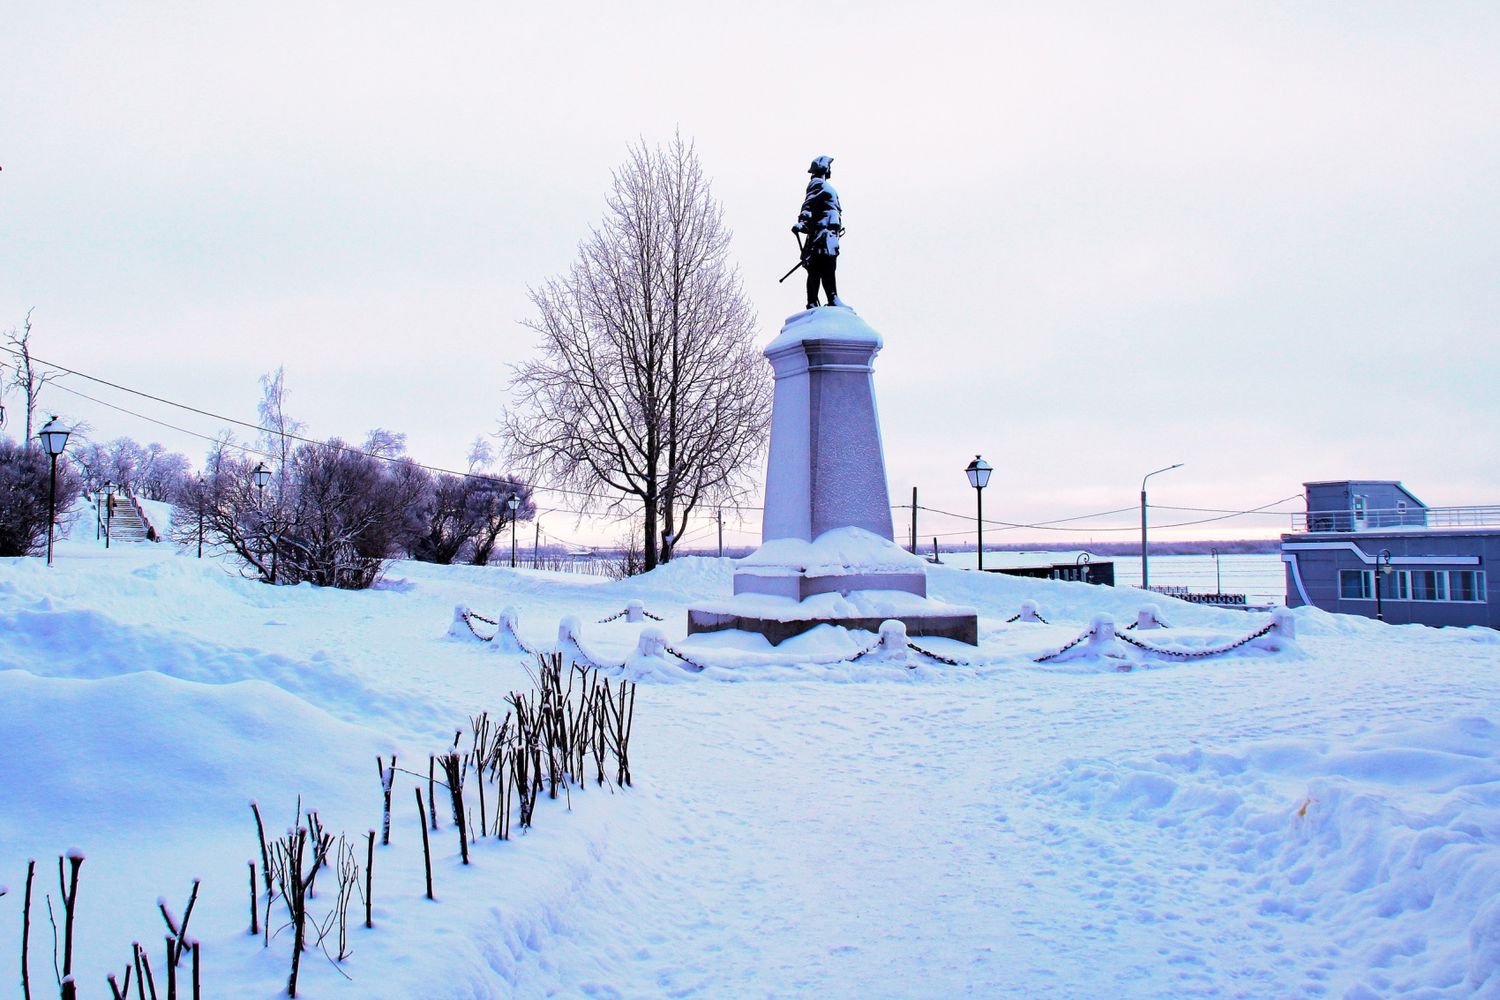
x=978 y=472
x=54 y=437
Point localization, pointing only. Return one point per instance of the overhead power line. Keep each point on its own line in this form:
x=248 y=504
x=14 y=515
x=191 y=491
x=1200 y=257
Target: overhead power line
x=1047 y=525
x=349 y=449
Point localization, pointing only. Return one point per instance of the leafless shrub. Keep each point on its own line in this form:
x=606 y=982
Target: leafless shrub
x=454 y=767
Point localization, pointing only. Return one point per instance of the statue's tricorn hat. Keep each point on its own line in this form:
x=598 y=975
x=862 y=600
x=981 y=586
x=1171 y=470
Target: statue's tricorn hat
x=822 y=166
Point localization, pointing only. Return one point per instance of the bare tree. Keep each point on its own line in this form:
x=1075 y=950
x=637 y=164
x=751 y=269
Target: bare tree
x=648 y=385
x=28 y=376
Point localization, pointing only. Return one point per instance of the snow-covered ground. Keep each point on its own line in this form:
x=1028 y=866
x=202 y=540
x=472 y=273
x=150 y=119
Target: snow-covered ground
x=1322 y=819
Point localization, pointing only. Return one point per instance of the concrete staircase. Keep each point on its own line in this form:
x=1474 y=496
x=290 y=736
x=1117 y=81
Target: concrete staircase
x=126 y=524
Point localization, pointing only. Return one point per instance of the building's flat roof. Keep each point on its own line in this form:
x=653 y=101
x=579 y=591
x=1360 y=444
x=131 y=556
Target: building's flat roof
x=1340 y=482
x=1395 y=531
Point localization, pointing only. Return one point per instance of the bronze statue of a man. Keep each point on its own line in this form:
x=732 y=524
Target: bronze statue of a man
x=819 y=221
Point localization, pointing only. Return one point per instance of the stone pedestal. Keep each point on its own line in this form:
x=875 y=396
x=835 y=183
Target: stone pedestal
x=826 y=469
x=828 y=555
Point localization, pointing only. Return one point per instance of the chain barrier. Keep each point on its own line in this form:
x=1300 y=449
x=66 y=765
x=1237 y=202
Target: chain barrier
x=1084 y=636
x=1198 y=653
x=525 y=647
x=625 y=611
x=700 y=667
x=819 y=663
x=933 y=656
x=469 y=616
x=1017 y=617
x=1195 y=654
x=592 y=661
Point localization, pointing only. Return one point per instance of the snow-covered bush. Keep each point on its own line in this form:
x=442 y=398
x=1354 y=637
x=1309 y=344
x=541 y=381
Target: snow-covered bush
x=24 y=497
x=465 y=516
x=332 y=515
x=347 y=514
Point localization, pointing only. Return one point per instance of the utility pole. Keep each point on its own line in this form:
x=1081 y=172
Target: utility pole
x=914 y=520
x=536 y=546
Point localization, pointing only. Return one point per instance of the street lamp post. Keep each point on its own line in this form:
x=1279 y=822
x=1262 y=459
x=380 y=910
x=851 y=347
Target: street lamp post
x=978 y=472
x=109 y=509
x=262 y=476
x=1145 y=576
x=54 y=438
x=98 y=513
x=1382 y=568
x=514 y=504
x=1218 y=579
x=200 y=517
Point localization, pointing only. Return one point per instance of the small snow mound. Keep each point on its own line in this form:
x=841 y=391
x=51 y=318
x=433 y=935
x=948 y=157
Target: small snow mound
x=652 y=642
x=507 y=638
x=460 y=628
x=1149 y=617
x=894 y=643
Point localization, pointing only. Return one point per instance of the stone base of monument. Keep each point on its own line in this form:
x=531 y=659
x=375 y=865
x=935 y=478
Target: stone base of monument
x=956 y=625
x=847 y=577
x=829 y=557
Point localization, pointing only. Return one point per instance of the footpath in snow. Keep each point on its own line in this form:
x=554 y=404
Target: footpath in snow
x=1318 y=817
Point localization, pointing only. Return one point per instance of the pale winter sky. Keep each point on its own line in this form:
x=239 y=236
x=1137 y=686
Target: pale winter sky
x=1262 y=240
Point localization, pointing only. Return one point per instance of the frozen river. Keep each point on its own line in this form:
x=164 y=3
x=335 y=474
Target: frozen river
x=1259 y=576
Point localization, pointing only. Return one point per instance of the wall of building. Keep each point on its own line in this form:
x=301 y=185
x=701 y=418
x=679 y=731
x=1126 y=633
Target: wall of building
x=1411 y=552
x=1383 y=502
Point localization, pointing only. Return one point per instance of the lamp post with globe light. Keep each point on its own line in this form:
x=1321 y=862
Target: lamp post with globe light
x=109 y=508
x=54 y=438
x=1382 y=568
x=200 y=517
x=979 y=472
x=262 y=475
x=514 y=503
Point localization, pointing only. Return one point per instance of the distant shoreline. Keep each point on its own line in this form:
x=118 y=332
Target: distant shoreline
x=1232 y=546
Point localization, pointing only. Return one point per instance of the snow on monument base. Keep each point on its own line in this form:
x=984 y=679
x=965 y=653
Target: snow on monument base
x=848 y=577
x=829 y=557
x=961 y=626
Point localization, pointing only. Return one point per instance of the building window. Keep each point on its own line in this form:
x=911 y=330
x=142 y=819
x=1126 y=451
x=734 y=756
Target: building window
x=1429 y=585
x=1397 y=586
x=1466 y=585
x=1356 y=585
